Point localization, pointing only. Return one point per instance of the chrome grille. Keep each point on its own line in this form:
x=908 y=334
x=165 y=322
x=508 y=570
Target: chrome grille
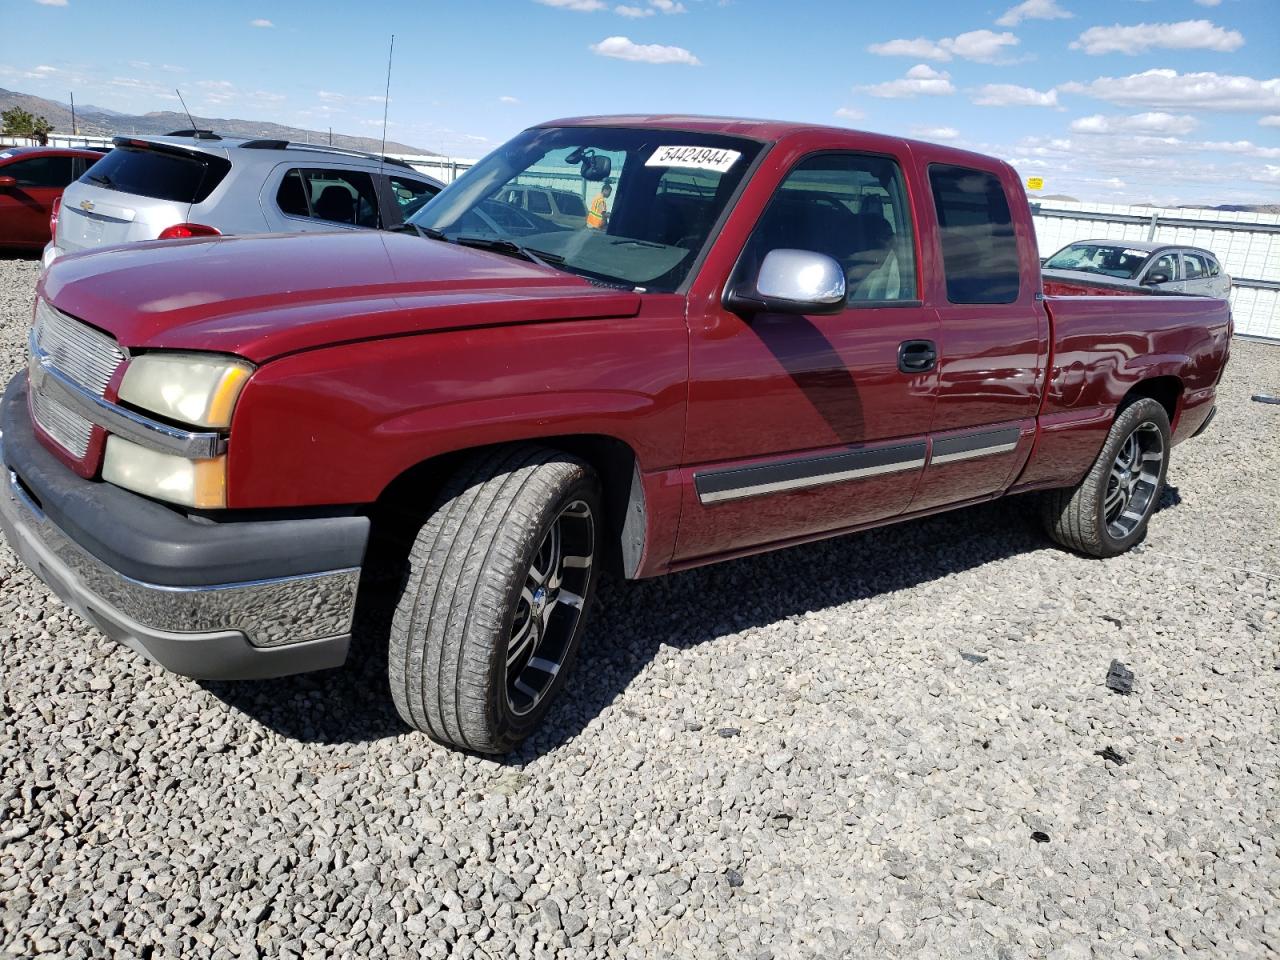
x=69 y=429
x=83 y=354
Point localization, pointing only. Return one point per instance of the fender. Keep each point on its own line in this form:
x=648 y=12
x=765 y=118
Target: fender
x=360 y=414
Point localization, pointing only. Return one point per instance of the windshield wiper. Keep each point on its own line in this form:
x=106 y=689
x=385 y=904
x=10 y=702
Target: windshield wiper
x=101 y=178
x=502 y=245
x=429 y=232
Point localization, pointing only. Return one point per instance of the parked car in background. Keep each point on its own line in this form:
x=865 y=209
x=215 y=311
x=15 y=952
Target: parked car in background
x=32 y=180
x=195 y=183
x=784 y=332
x=558 y=206
x=1118 y=267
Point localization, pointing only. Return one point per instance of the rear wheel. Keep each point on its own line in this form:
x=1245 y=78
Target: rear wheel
x=1108 y=511
x=491 y=614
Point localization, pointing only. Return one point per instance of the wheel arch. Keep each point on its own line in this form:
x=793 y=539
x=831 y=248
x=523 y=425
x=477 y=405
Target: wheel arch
x=613 y=459
x=1165 y=389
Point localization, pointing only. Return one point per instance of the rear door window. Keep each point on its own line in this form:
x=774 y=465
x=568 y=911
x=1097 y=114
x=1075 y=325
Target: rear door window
x=539 y=203
x=178 y=176
x=1192 y=266
x=337 y=196
x=41 y=171
x=979 y=249
x=570 y=205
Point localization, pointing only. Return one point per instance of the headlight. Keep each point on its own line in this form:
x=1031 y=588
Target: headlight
x=194 y=388
x=192 y=483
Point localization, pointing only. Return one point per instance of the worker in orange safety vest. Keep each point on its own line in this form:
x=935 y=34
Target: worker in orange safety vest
x=598 y=214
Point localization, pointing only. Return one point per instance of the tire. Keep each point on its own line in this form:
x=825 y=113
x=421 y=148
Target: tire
x=471 y=597
x=1101 y=516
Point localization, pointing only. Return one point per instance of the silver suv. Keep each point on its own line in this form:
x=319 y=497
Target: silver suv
x=195 y=183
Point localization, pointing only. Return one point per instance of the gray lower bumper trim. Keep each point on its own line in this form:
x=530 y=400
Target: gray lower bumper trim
x=216 y=623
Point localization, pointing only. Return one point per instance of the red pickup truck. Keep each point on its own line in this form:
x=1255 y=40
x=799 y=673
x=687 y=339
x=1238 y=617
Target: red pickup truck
x=782 y=332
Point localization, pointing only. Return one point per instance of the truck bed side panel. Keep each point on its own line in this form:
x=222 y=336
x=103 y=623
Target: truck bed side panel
x=1105 y=346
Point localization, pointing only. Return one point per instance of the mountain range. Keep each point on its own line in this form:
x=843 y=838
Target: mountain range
x=100 y=122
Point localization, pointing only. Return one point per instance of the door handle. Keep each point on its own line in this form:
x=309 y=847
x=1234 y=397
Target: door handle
x=917 y=356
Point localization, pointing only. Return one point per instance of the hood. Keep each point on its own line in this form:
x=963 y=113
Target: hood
x=264 y=296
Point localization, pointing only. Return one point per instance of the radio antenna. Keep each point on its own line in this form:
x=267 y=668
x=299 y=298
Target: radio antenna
x=194 y=134
x=386 y=100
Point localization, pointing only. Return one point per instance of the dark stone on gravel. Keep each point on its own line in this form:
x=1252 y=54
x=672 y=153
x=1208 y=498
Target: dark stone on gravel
x=1119 y=678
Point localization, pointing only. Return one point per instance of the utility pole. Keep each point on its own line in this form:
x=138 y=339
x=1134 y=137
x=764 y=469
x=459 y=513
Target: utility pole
x=73 y=113
x=331 y=136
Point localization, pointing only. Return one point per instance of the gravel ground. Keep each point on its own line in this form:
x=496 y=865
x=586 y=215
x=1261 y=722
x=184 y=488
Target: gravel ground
x=839 y=750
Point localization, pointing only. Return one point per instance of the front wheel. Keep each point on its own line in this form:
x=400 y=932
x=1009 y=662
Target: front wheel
x=500 y=578
x=1107 y=512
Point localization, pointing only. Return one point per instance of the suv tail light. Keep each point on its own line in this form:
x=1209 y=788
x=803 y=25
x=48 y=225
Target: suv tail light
x=53 y=217
x=180 y=231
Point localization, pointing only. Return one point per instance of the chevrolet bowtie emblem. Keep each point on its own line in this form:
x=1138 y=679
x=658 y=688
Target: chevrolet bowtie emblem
x=86 y=204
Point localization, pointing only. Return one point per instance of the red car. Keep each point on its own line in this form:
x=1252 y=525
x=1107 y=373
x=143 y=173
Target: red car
x=784 y=332
x=31 y=183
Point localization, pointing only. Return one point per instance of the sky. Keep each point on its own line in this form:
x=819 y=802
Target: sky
x=1172 y=101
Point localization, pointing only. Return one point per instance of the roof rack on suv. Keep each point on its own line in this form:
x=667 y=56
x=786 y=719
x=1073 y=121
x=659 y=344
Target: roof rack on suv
x=195 y=134
x=322 y=148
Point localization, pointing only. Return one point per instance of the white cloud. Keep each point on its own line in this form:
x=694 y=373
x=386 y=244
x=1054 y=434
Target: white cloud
x=921 y=80
x=1184 y=35
x=623 y=48
x=1208 y=3
x=1033 y=10
x=1012 y=95
x=265 y=24
x=936 y=133
x=654 y=6
x=1246 y=147
x=850 y=113
x=509 y=100
x=1170 y=90
x=1154 y=124
x=52 y=3
x=984 y=46
x=582 y=6
x=1271 y=121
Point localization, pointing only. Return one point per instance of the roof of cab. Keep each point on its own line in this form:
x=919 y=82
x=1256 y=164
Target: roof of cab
x=769 y=131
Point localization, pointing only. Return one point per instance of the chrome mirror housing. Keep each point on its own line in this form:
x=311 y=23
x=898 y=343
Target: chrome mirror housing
x=792 y=281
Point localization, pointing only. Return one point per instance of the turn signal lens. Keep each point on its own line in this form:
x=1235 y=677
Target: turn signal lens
x=181 y=231
x=53 y=217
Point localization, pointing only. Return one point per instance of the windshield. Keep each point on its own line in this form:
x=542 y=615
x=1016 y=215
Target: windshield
x=624 y=206
x=1108 y=259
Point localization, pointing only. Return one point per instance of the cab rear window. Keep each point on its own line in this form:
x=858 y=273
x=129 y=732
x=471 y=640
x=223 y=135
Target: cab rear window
x=159 y=174
x=979 y=249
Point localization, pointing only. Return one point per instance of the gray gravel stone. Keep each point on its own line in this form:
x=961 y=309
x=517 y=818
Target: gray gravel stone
x=813 y=718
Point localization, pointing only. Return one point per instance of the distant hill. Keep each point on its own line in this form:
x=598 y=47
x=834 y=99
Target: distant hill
x=1236 y=207
x=99 y=122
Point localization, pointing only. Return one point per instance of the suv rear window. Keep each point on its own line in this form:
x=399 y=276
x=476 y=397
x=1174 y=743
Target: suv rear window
x=159 y=174
x=979 y=250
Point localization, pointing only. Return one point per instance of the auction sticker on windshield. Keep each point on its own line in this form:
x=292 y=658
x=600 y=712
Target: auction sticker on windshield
x=696 y=158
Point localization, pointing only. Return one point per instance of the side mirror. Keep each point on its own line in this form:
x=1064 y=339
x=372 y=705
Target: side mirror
x=791 y=281
x=1154 y=279
x=7 y=182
